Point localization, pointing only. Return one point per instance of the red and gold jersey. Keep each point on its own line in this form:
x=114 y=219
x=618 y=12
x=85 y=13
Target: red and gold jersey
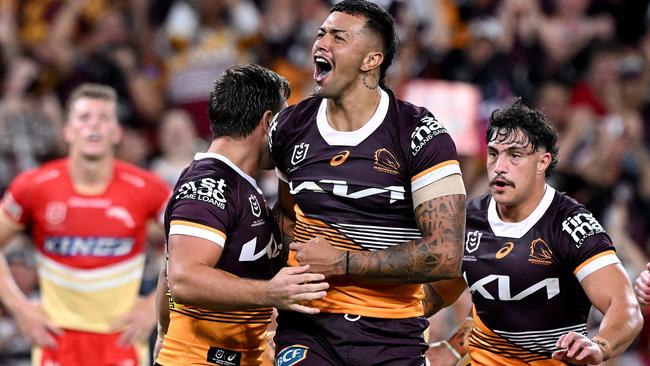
x=525 y=278
x=90 y=247
x=355 y=189
x=216 y=201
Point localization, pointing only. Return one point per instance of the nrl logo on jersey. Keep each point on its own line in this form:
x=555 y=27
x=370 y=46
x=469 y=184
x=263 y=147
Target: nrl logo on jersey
x=581 y=226
x=428 y=128
x=299 y=153
x=255 y=205
x=473 y=241
x=55 y=212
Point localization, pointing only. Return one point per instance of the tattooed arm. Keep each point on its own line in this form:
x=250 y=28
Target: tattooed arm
x=440 y=294
x=435 y=256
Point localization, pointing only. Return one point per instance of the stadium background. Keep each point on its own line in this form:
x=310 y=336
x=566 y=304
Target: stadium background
x=585 y=63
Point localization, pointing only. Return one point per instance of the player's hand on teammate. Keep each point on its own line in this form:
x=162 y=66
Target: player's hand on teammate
x=293 y=285
x=642 y=286
x=137 y=324
x=578 y=349
x=35 y=326
x=321 y=256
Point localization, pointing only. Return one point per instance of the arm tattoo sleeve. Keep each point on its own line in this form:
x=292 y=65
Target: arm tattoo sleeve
x=432 y=301
x=437 y=255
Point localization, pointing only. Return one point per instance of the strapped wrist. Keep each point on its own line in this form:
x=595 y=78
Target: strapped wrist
x=604 y=346
x=449 y=347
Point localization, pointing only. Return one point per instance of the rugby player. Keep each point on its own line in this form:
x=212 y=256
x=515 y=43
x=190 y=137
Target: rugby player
x=536 y=260
x=375 y=189
x=87 y=215
x=223 y=245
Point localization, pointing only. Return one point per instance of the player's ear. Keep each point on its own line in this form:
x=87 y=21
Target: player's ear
x=118 y=134
x=543 y=163
x=372 y=60
x=266 y=120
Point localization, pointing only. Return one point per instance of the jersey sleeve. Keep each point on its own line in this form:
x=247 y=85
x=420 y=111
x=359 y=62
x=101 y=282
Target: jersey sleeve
x=204 y=208
x=17 y=203
x=432 y=152
x=277 y=139
x=156 y=195
x=587 y=247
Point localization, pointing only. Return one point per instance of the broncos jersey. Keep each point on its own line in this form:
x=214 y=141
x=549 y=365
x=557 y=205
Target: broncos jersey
x=216 y=201
x=525 y=277
x=355 y=189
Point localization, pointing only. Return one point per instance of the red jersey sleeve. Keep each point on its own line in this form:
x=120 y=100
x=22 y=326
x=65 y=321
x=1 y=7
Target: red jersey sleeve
x=156 y=194
x=17 y=203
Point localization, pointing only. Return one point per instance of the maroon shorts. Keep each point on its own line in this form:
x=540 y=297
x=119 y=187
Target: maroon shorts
x=338 y=339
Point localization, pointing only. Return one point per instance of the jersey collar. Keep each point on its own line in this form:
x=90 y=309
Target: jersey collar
x=518 y=229
x=351 y=138
x=251 y=180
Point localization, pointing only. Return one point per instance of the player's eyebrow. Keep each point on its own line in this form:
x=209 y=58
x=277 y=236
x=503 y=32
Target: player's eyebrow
x=338 y=31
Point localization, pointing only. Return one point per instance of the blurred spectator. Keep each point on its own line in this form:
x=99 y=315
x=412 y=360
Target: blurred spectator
x=200 y=55
x=178 y=143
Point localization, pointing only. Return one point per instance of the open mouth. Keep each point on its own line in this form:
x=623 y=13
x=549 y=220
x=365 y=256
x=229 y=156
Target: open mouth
x=322 y=68
x=500 y=183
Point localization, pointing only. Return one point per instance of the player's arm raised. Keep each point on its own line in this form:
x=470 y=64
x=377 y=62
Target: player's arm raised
x=194 y=280
x=610 y=291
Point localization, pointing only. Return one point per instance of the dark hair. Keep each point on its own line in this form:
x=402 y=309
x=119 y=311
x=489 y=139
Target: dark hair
x=505 y=122
x=240 y=97
x=380 y=22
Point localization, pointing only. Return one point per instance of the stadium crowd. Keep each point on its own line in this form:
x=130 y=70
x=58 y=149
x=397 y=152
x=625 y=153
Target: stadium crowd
x=586 y=64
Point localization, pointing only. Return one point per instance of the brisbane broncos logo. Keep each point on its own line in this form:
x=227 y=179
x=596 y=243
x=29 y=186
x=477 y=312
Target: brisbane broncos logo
x=540 y=253
x=386 y=162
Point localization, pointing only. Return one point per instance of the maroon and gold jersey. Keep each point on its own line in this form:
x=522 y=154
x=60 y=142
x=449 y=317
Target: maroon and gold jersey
x=216 y=201
x=355 y=189
x=525 y=277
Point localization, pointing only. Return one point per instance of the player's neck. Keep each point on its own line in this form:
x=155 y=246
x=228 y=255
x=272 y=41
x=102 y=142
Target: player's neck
x=88 y=176
x=353 y=109
x=241 y=152
x=520 y=211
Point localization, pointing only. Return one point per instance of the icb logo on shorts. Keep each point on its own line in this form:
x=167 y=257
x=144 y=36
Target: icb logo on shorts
x=291 y=355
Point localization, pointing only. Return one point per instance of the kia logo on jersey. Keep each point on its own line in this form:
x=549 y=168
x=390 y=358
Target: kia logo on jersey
x=299 y=153
x=473 y=241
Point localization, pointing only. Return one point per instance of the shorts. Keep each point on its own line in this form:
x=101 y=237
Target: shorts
x=343 y=339
x=78 y=348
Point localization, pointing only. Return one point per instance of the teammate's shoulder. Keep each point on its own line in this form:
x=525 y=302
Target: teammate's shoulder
x=297 y=112
x=477 y=205
x=565 y=205
x=411 y=115
x=574 y=220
